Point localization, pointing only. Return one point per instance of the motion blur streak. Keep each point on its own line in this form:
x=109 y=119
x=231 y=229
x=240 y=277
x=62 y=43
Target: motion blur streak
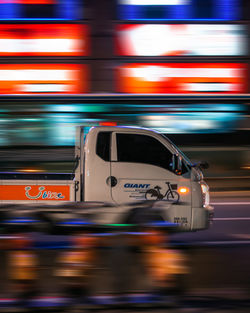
x=33 y=1
x=42 y=39
x=40 y=9
x=181 y=78
x=37 y=78
x=154 y=2
x=179 y=9
x=180 y=39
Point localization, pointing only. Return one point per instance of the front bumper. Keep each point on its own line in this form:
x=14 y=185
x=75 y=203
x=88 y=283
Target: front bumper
x=202 y=217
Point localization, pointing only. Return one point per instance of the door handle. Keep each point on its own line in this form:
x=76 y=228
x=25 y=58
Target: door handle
x=111 y=181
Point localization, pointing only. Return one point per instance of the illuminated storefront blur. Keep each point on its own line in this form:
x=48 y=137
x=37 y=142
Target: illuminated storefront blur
x=181 y=40
x=43 y=40
x=69 y=62
x=155 y=78
x=41 y=10
x=54 y=124
x=42 y=78
x=178 y=10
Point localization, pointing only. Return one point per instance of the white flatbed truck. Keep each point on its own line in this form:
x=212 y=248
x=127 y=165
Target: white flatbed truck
x=117 y=167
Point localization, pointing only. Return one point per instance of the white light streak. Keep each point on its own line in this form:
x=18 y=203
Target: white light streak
x=53 y=45
x=38 y=45
x=159 y=73
x=36 y=75
x=44 y=88
x=159 y=39
x=207 y=87
x=176 y=123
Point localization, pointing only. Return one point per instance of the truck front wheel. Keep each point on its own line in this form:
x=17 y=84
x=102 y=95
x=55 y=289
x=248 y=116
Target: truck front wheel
x=138 y=216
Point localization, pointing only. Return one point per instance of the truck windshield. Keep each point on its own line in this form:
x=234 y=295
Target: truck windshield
x=187 y=161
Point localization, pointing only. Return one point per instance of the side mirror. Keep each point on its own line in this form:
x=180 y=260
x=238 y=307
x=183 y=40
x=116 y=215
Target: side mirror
x=203 y=165
x=177 y=164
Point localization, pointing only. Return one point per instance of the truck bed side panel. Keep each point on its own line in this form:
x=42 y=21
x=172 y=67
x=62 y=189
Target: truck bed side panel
x=36 y=191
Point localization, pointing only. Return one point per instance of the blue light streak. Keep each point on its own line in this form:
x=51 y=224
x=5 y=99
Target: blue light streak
x=62 y=10
x=218 y=10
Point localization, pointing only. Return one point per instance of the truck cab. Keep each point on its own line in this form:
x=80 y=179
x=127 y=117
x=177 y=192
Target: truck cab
x=129 y=164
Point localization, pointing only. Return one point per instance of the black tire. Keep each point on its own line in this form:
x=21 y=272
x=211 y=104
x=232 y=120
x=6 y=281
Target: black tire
x=173 y=196
x=151 y=194
x=138 y=216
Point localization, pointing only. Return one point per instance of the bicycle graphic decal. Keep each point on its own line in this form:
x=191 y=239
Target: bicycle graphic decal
x=170 y=194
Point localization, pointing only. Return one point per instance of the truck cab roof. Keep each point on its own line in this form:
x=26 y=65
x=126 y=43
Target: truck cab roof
x=122 y=128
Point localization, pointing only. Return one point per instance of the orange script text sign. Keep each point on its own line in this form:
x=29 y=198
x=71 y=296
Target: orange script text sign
x=34 y=192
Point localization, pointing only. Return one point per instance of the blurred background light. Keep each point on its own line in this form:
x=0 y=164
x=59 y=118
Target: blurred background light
x=54 y=124
x=182 y=123
x=43 y=78
x=181 y=78
x=43 y=40
x=30 y=170
x=154 y=2
x=180 y=39
x=41 y=10
x=179 y=9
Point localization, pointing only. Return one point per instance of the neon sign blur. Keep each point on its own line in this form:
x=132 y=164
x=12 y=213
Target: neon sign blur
x=43 y=78
x=179 y=9
x=42 y=39
x=180 y=39
x=40 y=9
x=191 y=122
x=224 y=78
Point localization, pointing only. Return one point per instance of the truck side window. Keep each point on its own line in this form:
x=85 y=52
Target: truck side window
x=103 y=145
x=142 y=149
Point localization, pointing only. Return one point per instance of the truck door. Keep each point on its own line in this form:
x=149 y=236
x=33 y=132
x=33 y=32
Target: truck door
x=142 y=169
x=97 y=167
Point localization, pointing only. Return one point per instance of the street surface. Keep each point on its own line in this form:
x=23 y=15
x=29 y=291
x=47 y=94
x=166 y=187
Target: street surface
x=231 y=224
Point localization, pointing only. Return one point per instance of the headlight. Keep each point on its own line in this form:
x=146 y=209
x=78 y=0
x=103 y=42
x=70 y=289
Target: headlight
x=205 y=194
